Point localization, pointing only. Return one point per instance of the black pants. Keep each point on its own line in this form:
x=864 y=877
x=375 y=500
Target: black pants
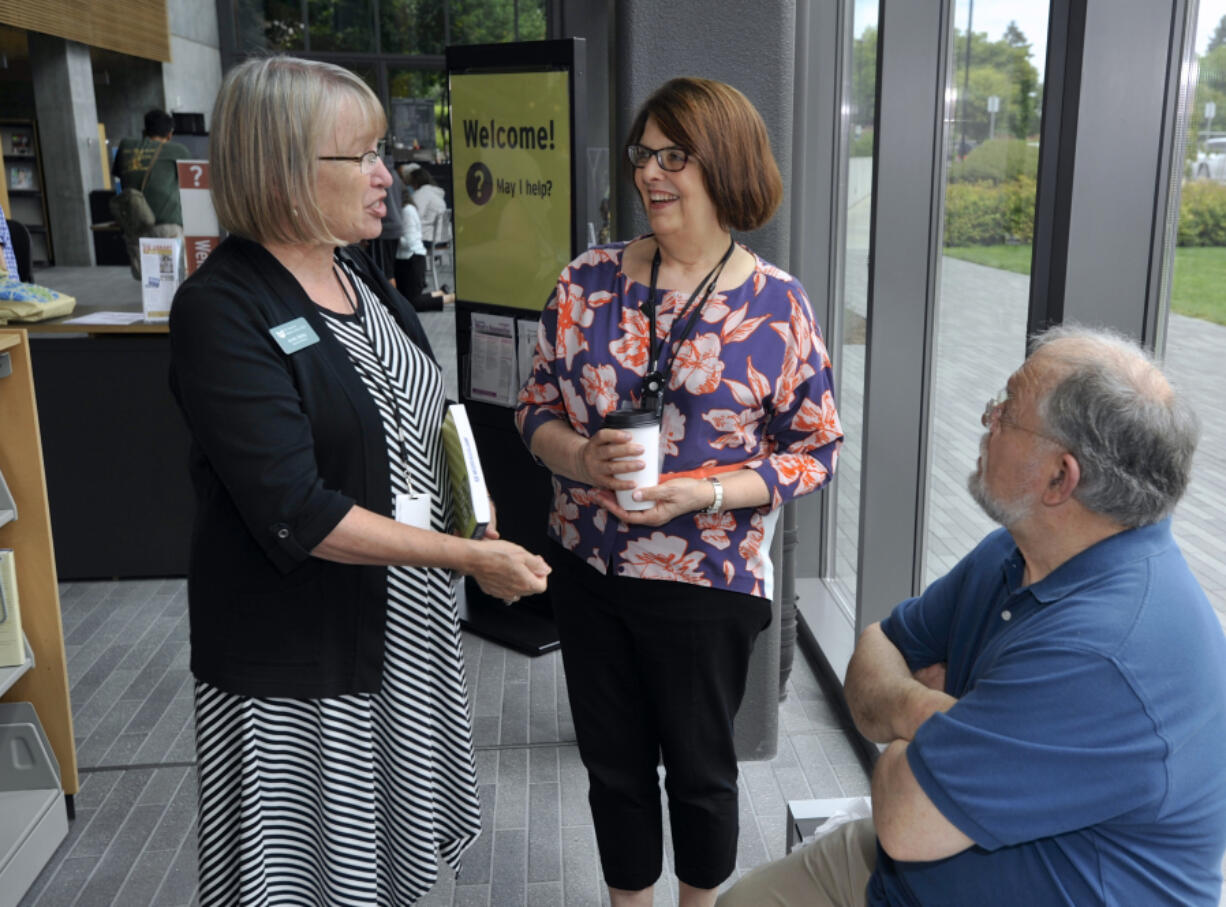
x=656 y=669
x=411 y=282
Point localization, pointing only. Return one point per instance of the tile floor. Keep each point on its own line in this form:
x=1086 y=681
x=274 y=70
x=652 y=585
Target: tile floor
x=133 y=840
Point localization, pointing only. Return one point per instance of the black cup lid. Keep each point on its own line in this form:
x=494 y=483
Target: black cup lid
x=631 y=418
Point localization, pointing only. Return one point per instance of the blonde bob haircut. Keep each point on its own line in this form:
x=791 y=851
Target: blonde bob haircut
x=270 y=120
x=717 y=125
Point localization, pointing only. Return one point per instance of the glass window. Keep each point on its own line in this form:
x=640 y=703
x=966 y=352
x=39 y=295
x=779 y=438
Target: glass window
x=272 y=25
x=1196 y=301
x=411 y=26
x=418 y=114
x=860 y=105
x=341 y=25
x=992 y=155
x=496 y=21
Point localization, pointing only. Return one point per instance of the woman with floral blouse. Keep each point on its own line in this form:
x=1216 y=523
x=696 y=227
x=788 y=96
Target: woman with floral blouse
x=658 y=609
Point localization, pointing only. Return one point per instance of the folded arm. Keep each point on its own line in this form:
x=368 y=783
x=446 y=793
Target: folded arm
x=889 y=703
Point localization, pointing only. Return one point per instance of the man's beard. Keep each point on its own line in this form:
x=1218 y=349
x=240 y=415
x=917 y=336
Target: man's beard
x=1007 y=513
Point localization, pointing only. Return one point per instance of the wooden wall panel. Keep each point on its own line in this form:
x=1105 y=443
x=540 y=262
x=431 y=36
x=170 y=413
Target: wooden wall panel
x=137 y=27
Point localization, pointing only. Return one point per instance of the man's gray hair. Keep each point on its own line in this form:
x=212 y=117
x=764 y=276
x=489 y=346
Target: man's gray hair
x=1132 y=435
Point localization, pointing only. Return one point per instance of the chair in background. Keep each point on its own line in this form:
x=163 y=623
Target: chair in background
x=20 y=235
x=109 y=248
x=442 y=249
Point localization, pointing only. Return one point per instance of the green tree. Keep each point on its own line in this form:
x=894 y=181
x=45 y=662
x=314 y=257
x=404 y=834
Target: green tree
x=1001 y=68
x=411 y=26
x=864 y=79
x=1219 y=36
x=1023 y=119
x=341 y=25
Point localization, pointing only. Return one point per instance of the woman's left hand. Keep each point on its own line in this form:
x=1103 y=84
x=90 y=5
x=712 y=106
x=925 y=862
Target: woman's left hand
x=672 y=499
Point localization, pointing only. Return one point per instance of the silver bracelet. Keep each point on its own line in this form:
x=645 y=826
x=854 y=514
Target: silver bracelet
x=718 y=503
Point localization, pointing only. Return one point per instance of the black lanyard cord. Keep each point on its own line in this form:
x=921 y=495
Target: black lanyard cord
x=654 y=380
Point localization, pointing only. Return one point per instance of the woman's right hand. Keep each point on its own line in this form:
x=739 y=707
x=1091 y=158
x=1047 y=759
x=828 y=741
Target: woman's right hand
x=603 y=457
x=506 y=571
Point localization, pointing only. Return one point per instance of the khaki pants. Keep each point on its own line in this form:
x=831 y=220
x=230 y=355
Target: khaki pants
x=162 y=231
x=833 y=871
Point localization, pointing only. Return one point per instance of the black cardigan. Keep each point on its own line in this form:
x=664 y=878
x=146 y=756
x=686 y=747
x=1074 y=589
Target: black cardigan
x=283 y=446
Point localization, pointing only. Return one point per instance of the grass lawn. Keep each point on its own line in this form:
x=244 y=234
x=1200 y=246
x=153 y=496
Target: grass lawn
x=1199 y=289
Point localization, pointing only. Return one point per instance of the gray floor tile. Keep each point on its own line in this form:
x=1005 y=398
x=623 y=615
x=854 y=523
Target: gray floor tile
x=508 y=883
x=545 y=855
x=512 y=809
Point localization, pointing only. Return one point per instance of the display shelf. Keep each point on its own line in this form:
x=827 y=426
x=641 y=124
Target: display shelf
x=10 y=675
x=38 y=757
x=33 y=815
x=23 y=174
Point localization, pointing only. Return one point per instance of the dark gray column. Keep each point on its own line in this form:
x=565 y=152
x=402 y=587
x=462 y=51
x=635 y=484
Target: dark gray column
x=751 y=47
x=589 y=19
x=905 y=241
x=68 y=132
x=1109 y=139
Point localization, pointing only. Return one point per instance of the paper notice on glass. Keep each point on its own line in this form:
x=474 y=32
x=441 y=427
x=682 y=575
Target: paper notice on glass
x=491 y=367
x=160 y=273
x=525 y=337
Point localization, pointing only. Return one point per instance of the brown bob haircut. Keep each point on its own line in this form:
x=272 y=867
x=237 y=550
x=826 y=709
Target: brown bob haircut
x=717 y=125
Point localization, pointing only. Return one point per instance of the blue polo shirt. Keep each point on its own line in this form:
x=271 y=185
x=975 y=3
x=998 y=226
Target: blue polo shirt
x=1085 y=755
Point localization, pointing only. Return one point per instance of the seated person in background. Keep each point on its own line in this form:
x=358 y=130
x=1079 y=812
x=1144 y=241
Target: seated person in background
x=411 y=263
x=383 y=249
x=1055 y=706
x=148 y=164
x=431 y=204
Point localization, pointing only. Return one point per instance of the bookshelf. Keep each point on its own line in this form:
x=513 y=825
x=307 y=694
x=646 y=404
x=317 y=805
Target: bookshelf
x=38 y=762
x=23 y=174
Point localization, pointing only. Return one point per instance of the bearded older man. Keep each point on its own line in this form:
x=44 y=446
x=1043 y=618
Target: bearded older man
x=1054 y=708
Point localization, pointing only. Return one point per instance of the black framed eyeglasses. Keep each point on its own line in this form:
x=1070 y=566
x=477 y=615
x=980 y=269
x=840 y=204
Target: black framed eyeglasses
x=366 y=162
x=671 y=158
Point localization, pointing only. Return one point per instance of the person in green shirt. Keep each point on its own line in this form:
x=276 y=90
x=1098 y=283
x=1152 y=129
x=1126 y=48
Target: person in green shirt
x=133 y=161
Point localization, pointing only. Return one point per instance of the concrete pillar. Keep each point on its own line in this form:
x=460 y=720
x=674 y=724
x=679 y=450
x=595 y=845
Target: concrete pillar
x=68 y=132
x=590 y=21
x=715 y=39
x=191 y=81
x=651 y=43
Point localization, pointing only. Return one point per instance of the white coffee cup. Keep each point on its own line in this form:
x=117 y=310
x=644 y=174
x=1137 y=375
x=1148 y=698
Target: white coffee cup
x=644 y=428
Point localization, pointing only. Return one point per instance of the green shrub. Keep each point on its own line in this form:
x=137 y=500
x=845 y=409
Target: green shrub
x=1018 y=196
x=997 y=161
x=985 y=214
x=1202 y=214
x=862 y=144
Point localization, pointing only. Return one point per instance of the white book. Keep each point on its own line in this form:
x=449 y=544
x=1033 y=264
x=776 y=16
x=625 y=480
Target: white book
x=469 y=495
x=12 y=643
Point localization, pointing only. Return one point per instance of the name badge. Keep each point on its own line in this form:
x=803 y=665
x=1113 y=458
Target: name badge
x=413 y=510
x=294 y=335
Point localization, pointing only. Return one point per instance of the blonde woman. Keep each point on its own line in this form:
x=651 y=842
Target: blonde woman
x=334 y=745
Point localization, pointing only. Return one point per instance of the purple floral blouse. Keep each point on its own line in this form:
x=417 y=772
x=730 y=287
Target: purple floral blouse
x=750 y=388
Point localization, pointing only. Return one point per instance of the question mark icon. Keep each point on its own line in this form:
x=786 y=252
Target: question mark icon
x=480 y=183
x=548 y=188
x=197 y=174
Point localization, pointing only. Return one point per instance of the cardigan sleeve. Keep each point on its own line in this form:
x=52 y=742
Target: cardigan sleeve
x=246 y=417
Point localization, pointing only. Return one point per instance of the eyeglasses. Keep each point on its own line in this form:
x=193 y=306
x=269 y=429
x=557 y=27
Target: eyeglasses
x=671 y=159
x=994 y=412
x=366 y=162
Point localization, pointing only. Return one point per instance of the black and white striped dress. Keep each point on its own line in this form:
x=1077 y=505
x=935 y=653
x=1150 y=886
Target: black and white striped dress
x=351 y=800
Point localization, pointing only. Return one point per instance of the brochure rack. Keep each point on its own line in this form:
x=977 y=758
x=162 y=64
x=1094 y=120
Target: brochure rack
x=38 y=762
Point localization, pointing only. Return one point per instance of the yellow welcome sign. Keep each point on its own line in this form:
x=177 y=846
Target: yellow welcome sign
x=510 y=159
